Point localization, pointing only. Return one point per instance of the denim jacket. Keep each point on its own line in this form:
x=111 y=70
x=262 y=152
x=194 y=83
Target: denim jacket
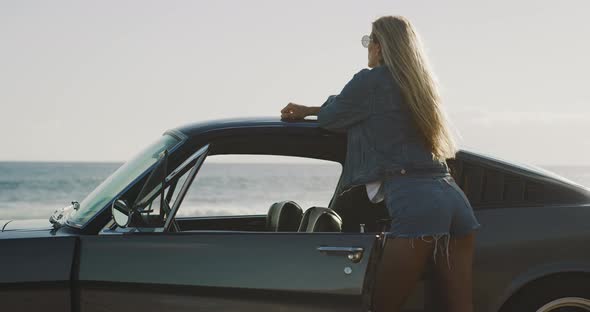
x=382 y=138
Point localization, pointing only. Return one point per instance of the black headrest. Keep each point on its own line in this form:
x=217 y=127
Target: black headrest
x=320 y=219
x=284 y=216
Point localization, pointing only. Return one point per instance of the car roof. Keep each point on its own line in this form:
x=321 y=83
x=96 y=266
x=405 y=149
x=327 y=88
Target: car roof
x=244 y=123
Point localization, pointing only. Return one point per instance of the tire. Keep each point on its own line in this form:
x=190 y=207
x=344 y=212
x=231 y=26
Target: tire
x=556 y=293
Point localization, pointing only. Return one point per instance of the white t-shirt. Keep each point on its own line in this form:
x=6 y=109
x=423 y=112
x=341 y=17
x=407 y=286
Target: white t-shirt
x=375 y=191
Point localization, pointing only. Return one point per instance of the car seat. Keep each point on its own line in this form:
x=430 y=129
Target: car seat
x=320 y=219
x=284 y=216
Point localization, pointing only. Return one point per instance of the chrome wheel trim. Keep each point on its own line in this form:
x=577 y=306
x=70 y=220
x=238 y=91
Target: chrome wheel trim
x=569 y=302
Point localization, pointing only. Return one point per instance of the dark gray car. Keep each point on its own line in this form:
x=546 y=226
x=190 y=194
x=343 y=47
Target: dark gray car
x=123 y=248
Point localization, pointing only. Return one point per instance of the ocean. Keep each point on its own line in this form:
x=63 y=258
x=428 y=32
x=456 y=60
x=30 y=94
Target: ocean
x=33 y=190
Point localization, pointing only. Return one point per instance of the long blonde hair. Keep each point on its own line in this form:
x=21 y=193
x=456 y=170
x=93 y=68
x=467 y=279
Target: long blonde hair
x=403 y=54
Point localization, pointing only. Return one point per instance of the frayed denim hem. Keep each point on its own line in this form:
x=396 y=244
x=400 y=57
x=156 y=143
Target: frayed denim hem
x=435 y=238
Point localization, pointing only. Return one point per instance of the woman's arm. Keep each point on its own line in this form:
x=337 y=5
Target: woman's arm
x=313 y=110
x=338 y=112
x=341 y=111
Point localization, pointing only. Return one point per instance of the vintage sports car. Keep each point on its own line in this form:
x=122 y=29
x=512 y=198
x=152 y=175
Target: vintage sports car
x=123 y=248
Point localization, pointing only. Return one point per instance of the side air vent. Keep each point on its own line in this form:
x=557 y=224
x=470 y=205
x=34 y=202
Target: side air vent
x=513 y=188
x=533 y=192
x=489 y=187
x=493 y=186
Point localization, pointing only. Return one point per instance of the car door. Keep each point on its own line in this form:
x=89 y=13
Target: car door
x=226 y=271
x=164 y=269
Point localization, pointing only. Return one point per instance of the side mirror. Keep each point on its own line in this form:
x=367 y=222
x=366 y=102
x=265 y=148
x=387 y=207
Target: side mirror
x=122 y=213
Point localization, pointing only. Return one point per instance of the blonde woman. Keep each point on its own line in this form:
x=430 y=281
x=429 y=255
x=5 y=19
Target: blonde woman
x=398 y=143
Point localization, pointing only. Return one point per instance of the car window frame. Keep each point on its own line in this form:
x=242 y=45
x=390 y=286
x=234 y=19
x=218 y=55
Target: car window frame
x=263 y=214
x=179 y=171
x=193 y=163
x=202 y=154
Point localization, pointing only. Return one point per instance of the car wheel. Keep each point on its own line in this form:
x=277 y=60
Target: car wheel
x=557 y=293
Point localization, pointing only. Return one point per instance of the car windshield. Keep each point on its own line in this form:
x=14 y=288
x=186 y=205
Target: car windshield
x=120 y=179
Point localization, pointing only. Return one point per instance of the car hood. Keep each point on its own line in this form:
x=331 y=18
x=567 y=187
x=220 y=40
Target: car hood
x=34 y=228
x=29 y=225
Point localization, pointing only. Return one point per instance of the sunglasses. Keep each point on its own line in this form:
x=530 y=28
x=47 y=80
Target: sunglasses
x=365 y=40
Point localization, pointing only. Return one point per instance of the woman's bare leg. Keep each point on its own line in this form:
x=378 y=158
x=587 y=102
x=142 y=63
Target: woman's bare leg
x=399 y=271
x=456 y=282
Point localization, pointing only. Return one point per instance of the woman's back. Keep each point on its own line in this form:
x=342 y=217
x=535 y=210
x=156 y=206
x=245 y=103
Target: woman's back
x=391 y=127
x=383 y=139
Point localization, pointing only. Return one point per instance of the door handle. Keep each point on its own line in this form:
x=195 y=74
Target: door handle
x=354 y=254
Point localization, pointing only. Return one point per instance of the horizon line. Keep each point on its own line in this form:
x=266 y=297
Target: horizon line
x=306 y=161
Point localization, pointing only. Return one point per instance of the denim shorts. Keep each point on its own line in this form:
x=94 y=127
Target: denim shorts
x=427 y=205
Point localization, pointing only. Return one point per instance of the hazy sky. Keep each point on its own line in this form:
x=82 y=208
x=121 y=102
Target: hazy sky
x=98 y=80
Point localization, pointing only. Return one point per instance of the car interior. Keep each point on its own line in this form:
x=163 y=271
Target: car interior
x=284 y=216
x=288 y=216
